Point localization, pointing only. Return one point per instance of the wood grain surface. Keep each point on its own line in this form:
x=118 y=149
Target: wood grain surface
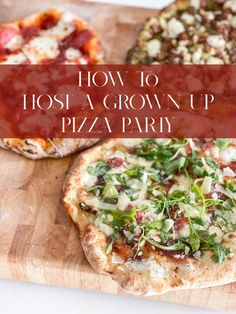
x=38 y=243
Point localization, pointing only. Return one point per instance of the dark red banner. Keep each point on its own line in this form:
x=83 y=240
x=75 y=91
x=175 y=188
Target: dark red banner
x=101 y=101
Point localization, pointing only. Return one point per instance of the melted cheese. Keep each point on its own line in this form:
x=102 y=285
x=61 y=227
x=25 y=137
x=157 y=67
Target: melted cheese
x=174 y=28
x=230 y=194
x=230 y=216
x=18 y=58
x=231 y=4
x=153 y=47
x=87 y=179
x=155 y=270
x=184 y=232
x=14 y=43
x=218 y=232
x=72 y=54
x=183 y=184
x=228 y=172
x=206 y=185
x=123 y=201
x=105 y=228
x=228 y=155
x=41 y=48
x=96 y=203
x=116 y=259
x=195 y=3
x=64 y=27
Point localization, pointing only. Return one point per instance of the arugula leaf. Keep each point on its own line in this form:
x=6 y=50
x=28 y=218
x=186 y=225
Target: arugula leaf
x=132 y=194
x=100 y=168
x=178 y=246
x=175 y=165
x=212 y=163
x=200 y=197
x=228 y=204
x=209 y=243
x=96 y=189
x=221 y=252
x=212 y=202
x=156 y=225
x=222 y=142
x=198 y=171
x=194 y=242
x=230 y=186
x=120 y=217
x=112 y=177
x=154 y=176
x=134 y=171
x=150 y=149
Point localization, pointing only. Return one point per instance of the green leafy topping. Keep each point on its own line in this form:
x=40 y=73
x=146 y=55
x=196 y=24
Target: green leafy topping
x=222 y=142
x=194 y=242
x=200 y=197
x=221 y=252
x=178 y=246
x=228 y=185
x=110 y=193
x=100 y=168
x=171 y=197
x=212 y=163
x=175 y=165
x=134 y=171
x=119 y=218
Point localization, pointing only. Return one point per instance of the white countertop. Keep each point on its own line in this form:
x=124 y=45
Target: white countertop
x=26 y=298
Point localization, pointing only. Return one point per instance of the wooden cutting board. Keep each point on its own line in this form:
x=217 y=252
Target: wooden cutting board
x=38 y=242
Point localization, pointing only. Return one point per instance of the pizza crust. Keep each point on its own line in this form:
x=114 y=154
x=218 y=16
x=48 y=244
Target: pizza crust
x=39 y=148
x=45 y=45
x=155 y=275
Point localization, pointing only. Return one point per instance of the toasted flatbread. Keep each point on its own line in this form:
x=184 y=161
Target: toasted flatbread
x=157 y=215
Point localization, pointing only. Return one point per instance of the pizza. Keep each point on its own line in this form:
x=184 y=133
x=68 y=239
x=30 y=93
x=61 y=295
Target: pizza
x=188 y=32
x=157 y=214
x=51 y=37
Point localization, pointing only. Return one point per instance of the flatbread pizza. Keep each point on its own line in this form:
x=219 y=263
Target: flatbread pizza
x=157 y=215
x=188 y=32
x=50 y=37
